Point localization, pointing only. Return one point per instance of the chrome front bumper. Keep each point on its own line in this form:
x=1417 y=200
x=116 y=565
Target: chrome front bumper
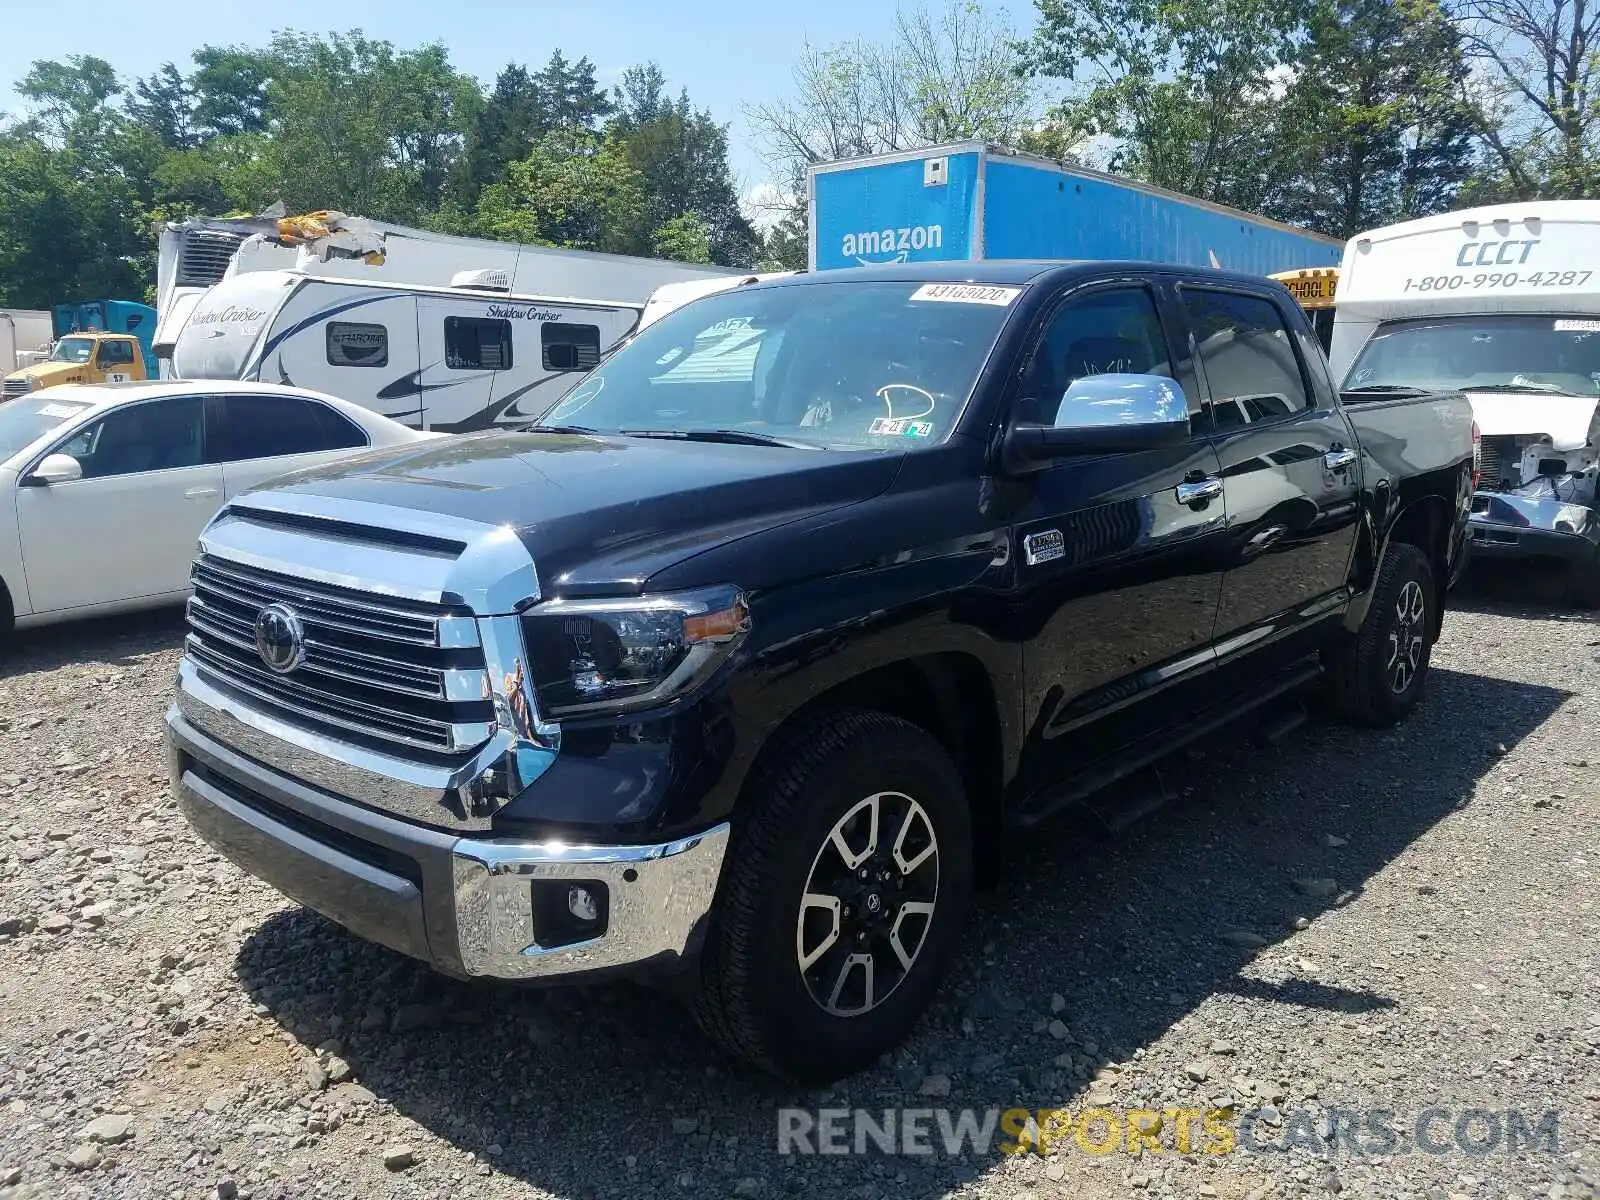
x=1506 y=525
x=469 y=906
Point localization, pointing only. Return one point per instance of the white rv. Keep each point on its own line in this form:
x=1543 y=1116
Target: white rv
x=455 y=359
x=197 y=254
x=1502 y=303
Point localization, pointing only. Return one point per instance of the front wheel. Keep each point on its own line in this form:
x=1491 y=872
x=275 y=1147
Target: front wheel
x=1376 y=675
x=846 y=891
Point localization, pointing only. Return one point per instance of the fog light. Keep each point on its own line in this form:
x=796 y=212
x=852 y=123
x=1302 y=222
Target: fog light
x=581 y=904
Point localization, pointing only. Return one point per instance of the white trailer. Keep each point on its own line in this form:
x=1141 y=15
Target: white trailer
x=456 y=359
x=1502 y=303
x=25 y=336
x=196 y=254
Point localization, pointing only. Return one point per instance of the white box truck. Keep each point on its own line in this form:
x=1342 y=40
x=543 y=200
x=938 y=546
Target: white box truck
x=1502 y=303
x=25 y=336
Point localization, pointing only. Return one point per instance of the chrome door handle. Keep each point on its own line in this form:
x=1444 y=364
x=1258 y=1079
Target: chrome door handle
x=201 y=493
x=1199 y=491
x=1338 y=458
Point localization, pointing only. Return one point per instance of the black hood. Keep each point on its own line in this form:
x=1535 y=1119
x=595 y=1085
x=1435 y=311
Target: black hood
x=602 y=514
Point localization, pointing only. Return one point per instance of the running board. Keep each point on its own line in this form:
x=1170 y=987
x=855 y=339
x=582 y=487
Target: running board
x=1154 y=747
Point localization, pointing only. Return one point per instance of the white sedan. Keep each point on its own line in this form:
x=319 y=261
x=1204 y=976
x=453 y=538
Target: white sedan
x=104 y=489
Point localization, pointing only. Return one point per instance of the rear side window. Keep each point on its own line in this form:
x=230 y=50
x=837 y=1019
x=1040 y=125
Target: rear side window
x=477 y=344
x=569 y=347
x=357 y=344
x=1247 y=353
x=266 y=426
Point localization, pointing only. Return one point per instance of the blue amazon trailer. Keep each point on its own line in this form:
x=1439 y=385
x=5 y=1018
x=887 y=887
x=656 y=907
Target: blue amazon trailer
x=969 y=200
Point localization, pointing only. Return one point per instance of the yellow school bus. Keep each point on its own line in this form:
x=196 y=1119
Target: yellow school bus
x=1314 y=288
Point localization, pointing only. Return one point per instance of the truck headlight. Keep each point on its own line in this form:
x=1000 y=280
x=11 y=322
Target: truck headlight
x=595 y=656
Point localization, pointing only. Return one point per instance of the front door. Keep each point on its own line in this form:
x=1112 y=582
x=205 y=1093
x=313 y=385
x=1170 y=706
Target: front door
x=1116 y=556
x=1289 y=458
x=463 y=350
x=127 y=529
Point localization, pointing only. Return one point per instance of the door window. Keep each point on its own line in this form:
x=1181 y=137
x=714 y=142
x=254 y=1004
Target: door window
x=267 y=426
x=1114 y=331
x=158 y=435
x=569 y=347
x=116 y=354
x=1248 y=356
x=477 y=344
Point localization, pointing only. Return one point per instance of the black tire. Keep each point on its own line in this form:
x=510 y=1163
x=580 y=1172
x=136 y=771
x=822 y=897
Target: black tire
x=754 y=999
x=1376 y=676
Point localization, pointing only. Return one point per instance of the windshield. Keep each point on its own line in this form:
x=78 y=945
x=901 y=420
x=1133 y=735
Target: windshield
x=1538 y=354
x=73 y=350
x=835 y=365
x=23 y=420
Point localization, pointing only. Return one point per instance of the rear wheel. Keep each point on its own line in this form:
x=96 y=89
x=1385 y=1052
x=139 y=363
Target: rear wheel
x=1375 y=676
x=844 y=895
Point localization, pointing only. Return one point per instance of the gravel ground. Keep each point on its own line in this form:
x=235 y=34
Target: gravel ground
x=1338 y=929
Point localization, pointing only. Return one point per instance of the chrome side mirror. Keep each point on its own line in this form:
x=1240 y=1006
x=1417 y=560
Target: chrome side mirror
x=1105 y=414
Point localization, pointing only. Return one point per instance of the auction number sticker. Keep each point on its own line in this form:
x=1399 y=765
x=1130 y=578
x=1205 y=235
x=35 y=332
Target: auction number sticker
x=966 y=293
x=1572 y=326
x=61 y=410
x=1497 y=279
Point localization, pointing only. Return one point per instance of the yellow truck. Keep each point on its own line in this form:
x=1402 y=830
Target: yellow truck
x=91 y=357
x=1314 y=288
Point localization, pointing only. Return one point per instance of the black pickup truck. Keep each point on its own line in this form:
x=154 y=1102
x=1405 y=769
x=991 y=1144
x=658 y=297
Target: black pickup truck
x=734 y=668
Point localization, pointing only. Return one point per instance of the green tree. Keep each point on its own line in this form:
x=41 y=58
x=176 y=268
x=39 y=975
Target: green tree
x=945 y=75
x=230 y=90
x=163 y=103
x=357 y=126
x=681 y=155
x=1179 y=92
x=1373 y=129
x=575 y=189
x=684 y=238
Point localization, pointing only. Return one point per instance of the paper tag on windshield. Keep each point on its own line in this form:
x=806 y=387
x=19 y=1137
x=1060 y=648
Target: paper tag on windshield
x=62 y=410
x=1578 y=326
x=966 y=293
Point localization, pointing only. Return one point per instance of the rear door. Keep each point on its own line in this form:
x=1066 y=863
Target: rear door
x=257 y=436
x=1117 y=556
x=463 y=350
x=1289 y=461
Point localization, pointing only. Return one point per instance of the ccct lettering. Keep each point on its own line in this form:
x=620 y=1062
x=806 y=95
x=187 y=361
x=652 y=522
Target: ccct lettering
x=1496 y=254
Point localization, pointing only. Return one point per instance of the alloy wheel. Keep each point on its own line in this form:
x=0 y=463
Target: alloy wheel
x=1407 y=638
x=868 y=904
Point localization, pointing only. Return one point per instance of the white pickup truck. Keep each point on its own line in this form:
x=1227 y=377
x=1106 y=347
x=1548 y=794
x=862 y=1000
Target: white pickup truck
x=1502 y=303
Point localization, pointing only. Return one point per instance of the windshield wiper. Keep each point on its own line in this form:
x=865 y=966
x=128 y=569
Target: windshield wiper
x=1544 y=389
x=582 y=429
x=1386 y=387
x=729 y=437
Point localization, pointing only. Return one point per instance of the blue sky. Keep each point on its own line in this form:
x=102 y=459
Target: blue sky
x=726 y=52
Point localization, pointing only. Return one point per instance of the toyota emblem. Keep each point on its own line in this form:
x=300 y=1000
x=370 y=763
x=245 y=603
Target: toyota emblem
x=280 y=639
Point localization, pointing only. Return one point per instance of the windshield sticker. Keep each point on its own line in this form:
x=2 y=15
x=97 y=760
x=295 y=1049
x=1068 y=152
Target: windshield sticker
x=966 y=293
x=1578 y=326
x=62 y=410
x=900 y=427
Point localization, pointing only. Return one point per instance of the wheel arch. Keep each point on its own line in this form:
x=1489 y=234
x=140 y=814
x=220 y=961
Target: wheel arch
x=1424 y=521
x=951 y=696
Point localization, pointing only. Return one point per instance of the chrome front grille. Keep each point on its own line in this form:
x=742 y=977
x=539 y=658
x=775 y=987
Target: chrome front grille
x=16 y=387
x=375 y=669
